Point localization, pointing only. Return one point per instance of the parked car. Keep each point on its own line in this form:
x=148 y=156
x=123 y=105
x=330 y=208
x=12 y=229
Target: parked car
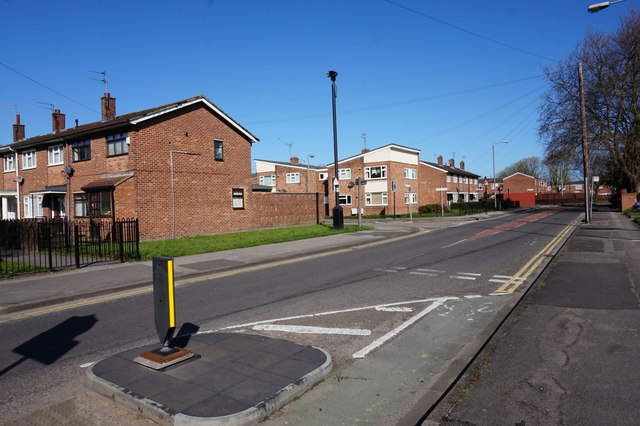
x=636 y=206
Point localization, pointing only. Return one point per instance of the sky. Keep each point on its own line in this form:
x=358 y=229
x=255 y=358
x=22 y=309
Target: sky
x=447 y=78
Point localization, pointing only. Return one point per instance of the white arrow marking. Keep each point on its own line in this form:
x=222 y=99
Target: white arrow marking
x=303 y=329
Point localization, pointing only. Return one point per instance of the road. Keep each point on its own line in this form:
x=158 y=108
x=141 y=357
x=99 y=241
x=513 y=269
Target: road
x=369 y=307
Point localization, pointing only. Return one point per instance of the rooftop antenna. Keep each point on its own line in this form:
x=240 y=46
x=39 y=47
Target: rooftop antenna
x=104 y=79
x=364 y=138
x=9 y=106
x=50 y=107
x=289 y=145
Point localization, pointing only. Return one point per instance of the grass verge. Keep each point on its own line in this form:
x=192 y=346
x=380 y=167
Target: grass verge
x=209 y=243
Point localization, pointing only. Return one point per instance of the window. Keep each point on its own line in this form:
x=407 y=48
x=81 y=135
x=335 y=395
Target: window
x=375 y=172
x=117 y=144
x=33 y=206
x=80 y=205
x=448 y=178
x=455 y=179
x=411 y=198
x=376 y=199
x=344 y=174
x=55 y=155
x=217 y=151
x=410 y=173
x=9 y=163
x=268 y=180
x=29 y=159
x=81 y=151
x=345 y=199
x=322 y=176
x=293 y=177
x=237 y=199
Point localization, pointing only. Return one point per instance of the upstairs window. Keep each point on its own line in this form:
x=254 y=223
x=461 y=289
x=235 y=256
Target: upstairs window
x=322 y=176
x=375 y=172
x=410 y=173
x=117 y=144
x=81 y=150
x=344 y=174
x=9 y=163
x=268 y=180
x=217 y=151
x=29 y=159
x=293 y=177
x=55 y=153
x=344 y=199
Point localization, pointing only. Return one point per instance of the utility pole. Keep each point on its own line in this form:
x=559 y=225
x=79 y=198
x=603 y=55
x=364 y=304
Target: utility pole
x=585 y=148
x=338 y=214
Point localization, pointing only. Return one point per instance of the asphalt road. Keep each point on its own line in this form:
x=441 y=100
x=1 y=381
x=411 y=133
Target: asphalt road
x=363 y=305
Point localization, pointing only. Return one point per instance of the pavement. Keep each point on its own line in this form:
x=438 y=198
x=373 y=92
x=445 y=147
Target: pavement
x=579 y=326
x=570 y=353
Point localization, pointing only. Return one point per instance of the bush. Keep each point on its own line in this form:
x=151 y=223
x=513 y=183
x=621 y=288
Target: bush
x=431 y=208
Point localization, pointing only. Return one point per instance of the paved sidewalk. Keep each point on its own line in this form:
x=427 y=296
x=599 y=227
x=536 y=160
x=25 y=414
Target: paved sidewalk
x=570 y=355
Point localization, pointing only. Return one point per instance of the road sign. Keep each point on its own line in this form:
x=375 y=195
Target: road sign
x=163 y=298
x=442 y=189
x=394 y=185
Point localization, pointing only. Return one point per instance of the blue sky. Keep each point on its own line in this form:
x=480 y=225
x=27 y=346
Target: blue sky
x=446 y=77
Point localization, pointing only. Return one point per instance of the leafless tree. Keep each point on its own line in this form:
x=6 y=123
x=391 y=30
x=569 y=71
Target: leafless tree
x=531 y=166
x=611 y=64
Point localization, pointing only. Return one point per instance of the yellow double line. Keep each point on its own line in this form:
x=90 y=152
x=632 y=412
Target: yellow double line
x=524 y=272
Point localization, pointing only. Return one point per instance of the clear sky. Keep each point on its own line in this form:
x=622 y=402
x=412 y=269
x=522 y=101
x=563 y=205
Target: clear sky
x=446 y=77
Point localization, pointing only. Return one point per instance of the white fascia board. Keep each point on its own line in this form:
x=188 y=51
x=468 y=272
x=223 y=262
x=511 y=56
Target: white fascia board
x=206 y=102
x=441 y=169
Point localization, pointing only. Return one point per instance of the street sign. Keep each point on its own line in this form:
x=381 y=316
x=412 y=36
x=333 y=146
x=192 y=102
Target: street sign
x=596 y=179
x=442 y=189
x=394 y=185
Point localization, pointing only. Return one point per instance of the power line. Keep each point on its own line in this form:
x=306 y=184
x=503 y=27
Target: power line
x=440 y=21
x=48 y=88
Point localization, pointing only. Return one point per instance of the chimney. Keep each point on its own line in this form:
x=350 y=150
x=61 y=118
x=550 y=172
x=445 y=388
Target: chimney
x=57 y=121
x=462 y=165
x=108 y=107
x=295 y=160
x=440 y=160
x=452 y=162
x=18 y=130
x=365 y=150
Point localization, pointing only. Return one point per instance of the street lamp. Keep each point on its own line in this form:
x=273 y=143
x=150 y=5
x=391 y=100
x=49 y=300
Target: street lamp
x=338 y=215
x=599 y=6
x=308 y=156
x=493 y=152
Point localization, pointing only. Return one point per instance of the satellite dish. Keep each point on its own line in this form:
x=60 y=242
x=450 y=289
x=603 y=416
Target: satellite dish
x=19 y=179
x=68 y=170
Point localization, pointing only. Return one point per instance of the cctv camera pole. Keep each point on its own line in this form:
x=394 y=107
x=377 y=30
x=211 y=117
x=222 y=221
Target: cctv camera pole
x=338 y=214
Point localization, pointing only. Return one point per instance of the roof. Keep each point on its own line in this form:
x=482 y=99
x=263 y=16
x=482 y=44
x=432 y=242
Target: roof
x=289 y=164
x=132 y=118
x=54 y=189
x=107 y=182
x=453 y=170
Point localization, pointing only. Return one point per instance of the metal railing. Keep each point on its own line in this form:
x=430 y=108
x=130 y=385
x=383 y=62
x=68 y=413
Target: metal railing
x=33 y=245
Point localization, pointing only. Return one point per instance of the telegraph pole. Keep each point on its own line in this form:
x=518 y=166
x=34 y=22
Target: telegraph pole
x=338 y=214
x=585 y=148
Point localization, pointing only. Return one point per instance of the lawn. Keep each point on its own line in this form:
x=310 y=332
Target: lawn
x=209 y=243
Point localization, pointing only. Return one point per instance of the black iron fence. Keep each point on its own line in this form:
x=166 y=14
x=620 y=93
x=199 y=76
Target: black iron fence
x=32 y=245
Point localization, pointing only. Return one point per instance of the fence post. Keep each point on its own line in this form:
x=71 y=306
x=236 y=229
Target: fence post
x=76 y=240
x=119 y=227
x=137 y=234
x=49 y=248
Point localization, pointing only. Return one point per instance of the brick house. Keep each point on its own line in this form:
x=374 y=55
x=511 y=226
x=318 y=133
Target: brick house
x=181 y=169
x=396 y=180
x=523 y=188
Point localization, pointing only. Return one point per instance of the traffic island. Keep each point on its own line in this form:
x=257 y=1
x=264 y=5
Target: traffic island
x=233 y=379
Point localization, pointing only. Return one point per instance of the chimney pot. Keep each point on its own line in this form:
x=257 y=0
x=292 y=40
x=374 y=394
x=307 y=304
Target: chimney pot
x=440 y=160
x=452 y=162
x=295 y=160
x=462 y=165
x=57 y=121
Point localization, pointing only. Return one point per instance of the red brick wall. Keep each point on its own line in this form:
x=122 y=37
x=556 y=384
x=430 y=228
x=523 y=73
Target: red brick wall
x=273 y=209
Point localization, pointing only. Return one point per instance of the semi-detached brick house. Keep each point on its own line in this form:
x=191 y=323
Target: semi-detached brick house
x=180 y=169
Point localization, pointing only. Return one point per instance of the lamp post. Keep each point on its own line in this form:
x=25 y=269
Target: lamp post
x=308 y=156
x=599 y=6
x=493 y=152
x=338 y=214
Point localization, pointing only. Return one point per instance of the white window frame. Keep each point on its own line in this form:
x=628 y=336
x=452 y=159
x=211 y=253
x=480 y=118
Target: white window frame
x=55 y=154
x=237 y=198
x=29 y=159
x=368 y=199
x=383 y=172
x=271 y=178
x=411 y=198
x=322 y=176
x=345 y=199
x=33 y=206
x=344 y=174
x=410 y=173
x=455 y=179
x=448 y=178
x=9 y=162
x=293 y=178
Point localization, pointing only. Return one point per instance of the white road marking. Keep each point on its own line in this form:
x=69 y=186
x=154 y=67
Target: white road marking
x=393 y=309
x=393 y=333
x=426 y=274
x=433 y=271
x=460 y=277
x=471 y=274
x=312 y=330
x=87 y=365
x=472 y=296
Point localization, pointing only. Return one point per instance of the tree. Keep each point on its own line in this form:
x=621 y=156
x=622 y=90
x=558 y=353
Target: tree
x=559 y=169
x=611 y=66
x=531 y=166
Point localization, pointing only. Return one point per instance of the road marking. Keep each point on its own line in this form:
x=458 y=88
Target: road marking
x=426 y=274
x=535 y=261
x=312 y=330
x=471 y=274
x=505 y=278
x=393 y=333
x=462 y=277
x=393 y=309
x=433 y=271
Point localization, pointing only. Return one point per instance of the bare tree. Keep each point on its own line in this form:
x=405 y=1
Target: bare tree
x=531 y=166
x=612 y=97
